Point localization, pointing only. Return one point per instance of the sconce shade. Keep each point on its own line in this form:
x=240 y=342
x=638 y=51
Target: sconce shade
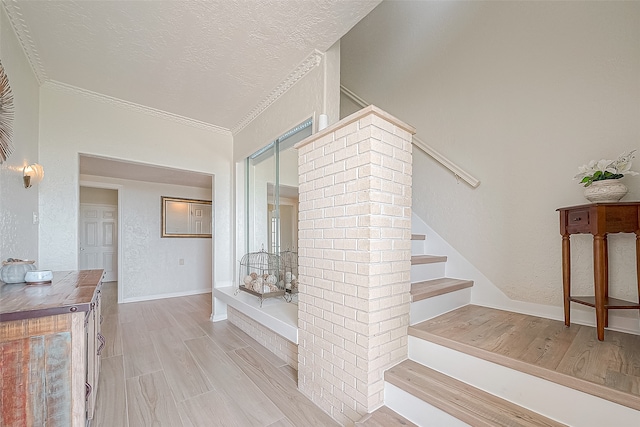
x=32 y=174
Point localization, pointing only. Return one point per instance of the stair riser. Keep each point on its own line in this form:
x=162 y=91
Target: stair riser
x=418 y=247
x=429 y=308
x=561 y=403
x=417 y=411
x=420 y=272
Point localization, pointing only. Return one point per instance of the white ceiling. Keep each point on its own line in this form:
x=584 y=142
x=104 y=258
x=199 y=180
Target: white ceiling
x=214 y=61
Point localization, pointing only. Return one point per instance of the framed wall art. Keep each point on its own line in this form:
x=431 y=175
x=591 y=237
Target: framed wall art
x=6 y=116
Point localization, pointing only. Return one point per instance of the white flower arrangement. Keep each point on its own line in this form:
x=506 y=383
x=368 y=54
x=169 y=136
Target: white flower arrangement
x=606 y=169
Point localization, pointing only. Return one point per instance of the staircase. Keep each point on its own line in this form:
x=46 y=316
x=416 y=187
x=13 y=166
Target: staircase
x=446 y=383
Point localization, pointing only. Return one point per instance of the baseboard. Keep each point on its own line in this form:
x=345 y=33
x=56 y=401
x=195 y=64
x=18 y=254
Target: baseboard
x=218 y=317
x=167 y=295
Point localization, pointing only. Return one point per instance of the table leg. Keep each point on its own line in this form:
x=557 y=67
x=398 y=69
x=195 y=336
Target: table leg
x=566 y=277
x=599 y=269
x=638 y=262
x=606 y=280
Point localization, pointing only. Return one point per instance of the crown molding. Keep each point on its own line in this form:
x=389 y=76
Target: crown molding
x=299 y=72
x=136 y=107
x=12 y=8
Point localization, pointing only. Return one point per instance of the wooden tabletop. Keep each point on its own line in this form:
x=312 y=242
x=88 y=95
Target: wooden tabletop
x=69 y=291
x=591 y=205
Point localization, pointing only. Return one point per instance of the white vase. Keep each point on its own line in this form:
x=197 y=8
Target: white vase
x=605 y=191
x=14 y=271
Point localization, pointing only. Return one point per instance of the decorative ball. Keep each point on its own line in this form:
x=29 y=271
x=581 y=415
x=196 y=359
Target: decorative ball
x=254 y=276
x=273 y=288
x=266 y=289
x=271 y=279
x=247 y=280
x=288 y=286
x=287 y=277
x=257 y=284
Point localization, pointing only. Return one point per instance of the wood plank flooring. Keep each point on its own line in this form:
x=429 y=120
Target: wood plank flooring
x=166 y=364
x=384 y=417
x=545 y=348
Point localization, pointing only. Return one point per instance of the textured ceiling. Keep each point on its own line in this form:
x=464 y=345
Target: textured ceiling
x=212 y=61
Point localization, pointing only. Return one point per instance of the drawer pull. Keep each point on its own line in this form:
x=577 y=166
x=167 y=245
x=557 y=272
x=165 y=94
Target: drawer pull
x=87 y=390
x=102 y=343
x=577 y=219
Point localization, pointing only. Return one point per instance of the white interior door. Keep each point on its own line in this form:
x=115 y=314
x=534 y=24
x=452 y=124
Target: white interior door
x=99 y=239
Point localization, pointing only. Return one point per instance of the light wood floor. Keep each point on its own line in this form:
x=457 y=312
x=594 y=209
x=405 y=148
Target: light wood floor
x=166 y=364
x=543 y=347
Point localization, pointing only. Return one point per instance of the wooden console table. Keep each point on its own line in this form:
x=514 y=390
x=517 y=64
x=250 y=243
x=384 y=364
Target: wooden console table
x=50 y=344
x=598 y=219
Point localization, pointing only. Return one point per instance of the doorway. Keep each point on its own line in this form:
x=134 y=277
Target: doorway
x=98 y=234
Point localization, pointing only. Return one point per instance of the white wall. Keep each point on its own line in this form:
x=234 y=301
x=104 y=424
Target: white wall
x=150 y=265
x=73 y=123
x=18 y=234
x=519 y=94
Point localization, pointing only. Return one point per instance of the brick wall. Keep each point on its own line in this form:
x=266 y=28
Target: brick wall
x=281 y=347
x=354 y=260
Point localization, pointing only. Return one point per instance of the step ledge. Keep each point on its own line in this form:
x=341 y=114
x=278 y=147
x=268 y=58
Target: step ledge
x=432 y=288
x=567 y=405
x=584 y=386
x=427 y=259
x=461 y=400
x=417 y=411
x=275 y=314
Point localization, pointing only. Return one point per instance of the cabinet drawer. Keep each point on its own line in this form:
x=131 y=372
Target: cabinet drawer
x=578 y=221
x=578 y=218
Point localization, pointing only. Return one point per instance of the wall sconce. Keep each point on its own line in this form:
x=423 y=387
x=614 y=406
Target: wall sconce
x=32 y=174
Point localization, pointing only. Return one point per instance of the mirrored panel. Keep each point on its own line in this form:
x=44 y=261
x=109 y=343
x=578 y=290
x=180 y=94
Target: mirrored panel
x=186 y=217
x=272 y=193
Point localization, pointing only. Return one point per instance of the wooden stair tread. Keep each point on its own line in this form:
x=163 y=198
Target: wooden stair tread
x=465 y=402
x=435 y=287
x=418 y=237
x=383 y=417
x=541 y=347
x=427 y=259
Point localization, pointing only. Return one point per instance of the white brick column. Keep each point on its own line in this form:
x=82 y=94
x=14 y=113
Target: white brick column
x=354 y=254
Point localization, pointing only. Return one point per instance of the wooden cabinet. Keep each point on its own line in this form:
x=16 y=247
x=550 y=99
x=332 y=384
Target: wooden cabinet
x=94 y=344
x=49 y=344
